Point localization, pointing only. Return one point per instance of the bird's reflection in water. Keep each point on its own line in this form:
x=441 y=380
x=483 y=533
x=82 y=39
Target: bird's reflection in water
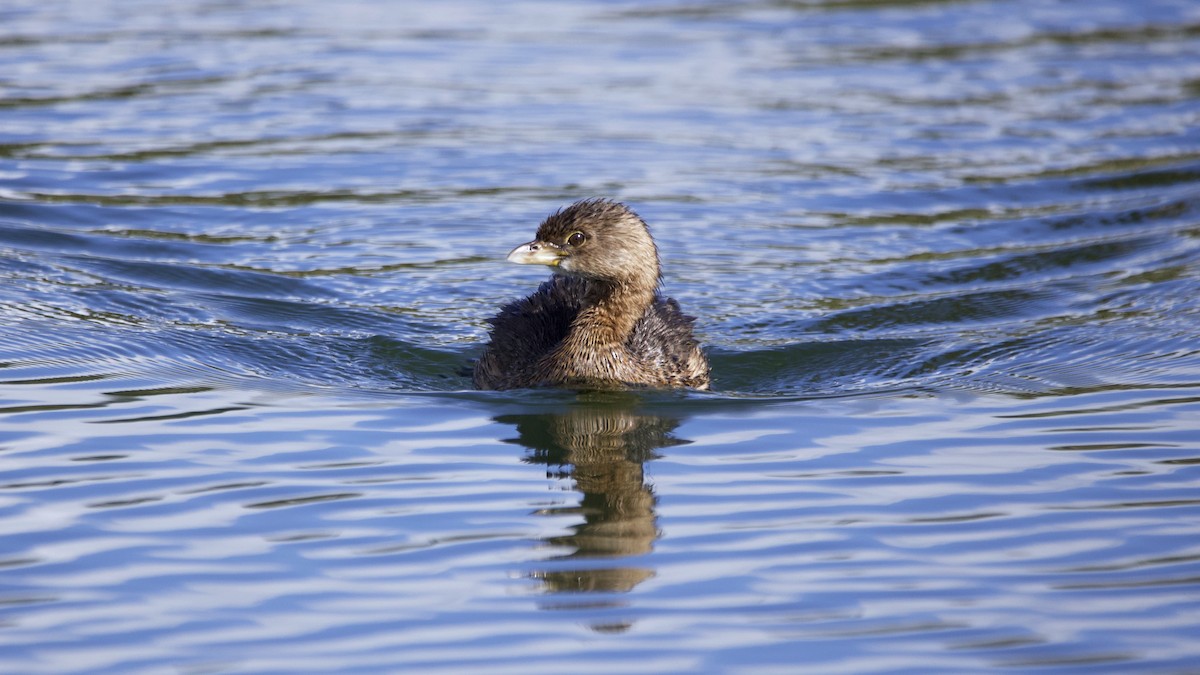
x=600 y=444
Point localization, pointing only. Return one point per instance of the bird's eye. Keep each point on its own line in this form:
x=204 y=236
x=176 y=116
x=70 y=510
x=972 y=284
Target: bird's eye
x=576 y=238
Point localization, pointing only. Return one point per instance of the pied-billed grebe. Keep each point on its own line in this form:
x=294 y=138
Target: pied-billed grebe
x=599 y=321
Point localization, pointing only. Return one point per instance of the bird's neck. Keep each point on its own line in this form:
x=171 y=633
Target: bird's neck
x=612 y=311
x=593 y=350
x=609 y=314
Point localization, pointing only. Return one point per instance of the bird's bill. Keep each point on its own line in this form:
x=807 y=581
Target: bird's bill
x=537 y=253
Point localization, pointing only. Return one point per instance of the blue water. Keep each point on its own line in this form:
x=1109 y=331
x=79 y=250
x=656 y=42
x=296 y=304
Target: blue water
x=944 y=258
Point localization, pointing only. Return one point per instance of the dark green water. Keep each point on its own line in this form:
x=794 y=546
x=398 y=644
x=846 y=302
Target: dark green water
x=944 y=256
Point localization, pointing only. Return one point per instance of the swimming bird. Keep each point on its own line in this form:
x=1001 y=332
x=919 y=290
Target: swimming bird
x=600 y=321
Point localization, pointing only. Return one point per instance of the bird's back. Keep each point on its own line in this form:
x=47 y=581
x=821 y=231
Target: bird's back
x=664 y=352
x=663 y=342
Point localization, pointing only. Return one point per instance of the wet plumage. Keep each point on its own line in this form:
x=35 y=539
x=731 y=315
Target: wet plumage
x=599 y=321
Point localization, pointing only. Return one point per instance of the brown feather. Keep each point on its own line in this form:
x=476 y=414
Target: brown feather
x=600 y=321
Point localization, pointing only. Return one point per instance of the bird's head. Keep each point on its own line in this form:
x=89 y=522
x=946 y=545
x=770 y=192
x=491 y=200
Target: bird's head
x=595 y=239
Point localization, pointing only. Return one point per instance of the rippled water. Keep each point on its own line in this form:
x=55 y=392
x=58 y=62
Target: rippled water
x=945 y=257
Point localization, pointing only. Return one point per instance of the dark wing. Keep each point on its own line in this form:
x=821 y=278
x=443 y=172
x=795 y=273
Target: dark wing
x=526 y=330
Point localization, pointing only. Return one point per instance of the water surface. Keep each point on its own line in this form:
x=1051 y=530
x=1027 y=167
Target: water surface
x=945 y=257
